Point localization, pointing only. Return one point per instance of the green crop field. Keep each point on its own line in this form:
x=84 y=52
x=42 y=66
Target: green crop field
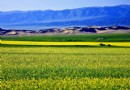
x=65 y=68
x=72 y=38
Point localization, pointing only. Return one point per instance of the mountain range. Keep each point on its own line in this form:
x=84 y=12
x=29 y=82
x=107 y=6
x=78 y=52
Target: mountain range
x=87 y=16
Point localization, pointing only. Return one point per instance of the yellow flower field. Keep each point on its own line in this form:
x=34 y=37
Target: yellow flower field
x=64 y=43
x=65 y=68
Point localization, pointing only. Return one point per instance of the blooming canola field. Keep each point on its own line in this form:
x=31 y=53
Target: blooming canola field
x=65 y=68
x=64 y=43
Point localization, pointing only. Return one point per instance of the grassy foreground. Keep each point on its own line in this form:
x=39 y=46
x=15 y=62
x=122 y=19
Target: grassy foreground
x=65 y=68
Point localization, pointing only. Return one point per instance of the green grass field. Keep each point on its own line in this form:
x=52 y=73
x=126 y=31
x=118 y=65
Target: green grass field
x=65 y=62
x=65 y=68
x=72 y=38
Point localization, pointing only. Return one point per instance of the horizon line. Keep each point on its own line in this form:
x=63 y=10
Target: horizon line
x=64 y=9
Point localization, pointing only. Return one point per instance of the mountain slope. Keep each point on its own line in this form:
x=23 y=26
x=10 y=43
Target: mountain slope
x=82 y=16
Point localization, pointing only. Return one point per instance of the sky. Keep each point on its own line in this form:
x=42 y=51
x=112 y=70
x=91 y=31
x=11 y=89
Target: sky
x=24 y=5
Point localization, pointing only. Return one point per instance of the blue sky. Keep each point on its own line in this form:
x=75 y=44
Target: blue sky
x=9 y=5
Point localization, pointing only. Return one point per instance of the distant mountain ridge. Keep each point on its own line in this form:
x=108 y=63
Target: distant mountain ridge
x=112 y=15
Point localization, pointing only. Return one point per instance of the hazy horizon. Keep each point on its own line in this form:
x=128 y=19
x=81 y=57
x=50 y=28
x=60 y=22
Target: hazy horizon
x=61 y=9
x=24 y=5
